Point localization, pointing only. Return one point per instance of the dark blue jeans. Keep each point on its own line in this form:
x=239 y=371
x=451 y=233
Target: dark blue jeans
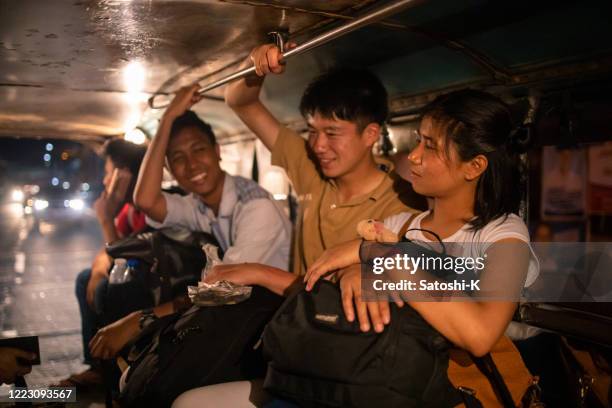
x=90 y=319
x=111 y=303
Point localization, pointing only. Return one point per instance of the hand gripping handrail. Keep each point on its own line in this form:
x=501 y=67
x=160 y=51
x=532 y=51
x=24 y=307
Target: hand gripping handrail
x=321 y=39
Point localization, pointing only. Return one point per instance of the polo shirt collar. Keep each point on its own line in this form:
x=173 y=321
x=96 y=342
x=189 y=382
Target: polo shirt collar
x=388 y=167
x=384 y=165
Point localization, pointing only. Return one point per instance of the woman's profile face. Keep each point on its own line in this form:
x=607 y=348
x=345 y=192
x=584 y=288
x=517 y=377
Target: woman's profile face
x=109 y=167
x=435 y=169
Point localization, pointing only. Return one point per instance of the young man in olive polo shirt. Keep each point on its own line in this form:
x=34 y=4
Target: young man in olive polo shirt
x=338 y=180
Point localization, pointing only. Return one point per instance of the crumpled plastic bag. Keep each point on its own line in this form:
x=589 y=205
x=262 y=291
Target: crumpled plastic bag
x=218 y=293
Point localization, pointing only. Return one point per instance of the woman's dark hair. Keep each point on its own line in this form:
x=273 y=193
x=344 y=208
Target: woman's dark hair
x=190 y=119
x=477 y=122
x=354 y=95
x=124 y=155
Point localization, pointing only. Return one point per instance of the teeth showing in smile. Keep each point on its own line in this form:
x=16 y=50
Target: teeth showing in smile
x=198 y=178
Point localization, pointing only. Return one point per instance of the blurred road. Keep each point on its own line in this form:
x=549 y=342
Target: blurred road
x=39 y=262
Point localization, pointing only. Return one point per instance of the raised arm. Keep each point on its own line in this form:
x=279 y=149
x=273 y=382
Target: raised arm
x=242 y=96
x=147 y=194
x=108 y=206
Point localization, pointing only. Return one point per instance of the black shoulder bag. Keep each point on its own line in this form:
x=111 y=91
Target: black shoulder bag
x=170 y=259
x=319 y=359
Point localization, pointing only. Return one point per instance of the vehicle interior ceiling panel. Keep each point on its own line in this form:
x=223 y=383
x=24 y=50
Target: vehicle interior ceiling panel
x=118 y=53
x=499 y=44
x=84 y=68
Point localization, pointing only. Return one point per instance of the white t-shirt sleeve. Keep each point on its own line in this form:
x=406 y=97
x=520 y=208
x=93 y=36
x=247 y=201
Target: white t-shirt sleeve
x=397 y=221
x=181 y=212
x=512 y=227
x=263 y=235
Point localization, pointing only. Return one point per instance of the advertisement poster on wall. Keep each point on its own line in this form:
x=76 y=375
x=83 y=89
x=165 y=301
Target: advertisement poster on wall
x=564 y=183
x=600 y=179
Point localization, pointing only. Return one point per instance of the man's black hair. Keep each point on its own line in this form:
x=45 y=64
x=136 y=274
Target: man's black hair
x=190 y=119
x=124 y=154
x=354 y=95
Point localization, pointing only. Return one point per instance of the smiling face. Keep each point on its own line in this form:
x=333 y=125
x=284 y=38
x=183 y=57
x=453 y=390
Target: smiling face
x=338 y=145
x=436 y=170
x=194 y=162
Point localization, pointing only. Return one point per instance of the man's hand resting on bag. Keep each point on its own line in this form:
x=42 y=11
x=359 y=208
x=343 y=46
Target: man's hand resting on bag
x=110 y=339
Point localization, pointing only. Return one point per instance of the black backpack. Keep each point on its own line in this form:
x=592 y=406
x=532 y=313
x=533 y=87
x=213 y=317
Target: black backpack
x=319 y=359
x=170 y=260
x=202 y=346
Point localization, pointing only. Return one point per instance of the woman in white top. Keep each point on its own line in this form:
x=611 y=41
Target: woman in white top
x=468 y=161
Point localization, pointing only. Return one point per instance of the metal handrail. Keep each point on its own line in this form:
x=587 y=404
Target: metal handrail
x=321 y=39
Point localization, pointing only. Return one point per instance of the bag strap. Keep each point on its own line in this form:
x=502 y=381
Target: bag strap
x=487 y=366
x=402 y=231
x=161 y=267
x=468 y=397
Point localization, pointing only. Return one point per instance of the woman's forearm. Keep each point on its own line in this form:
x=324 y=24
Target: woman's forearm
x=474 y=326
x=109 y=232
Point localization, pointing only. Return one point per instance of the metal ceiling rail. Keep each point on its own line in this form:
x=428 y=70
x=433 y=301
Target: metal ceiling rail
x=321 y=39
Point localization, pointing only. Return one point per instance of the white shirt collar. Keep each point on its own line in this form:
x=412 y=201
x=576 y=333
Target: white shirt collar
x=229 y=197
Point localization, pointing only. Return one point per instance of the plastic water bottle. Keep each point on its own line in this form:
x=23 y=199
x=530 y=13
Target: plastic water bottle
x=132 y=265
x=116 y=274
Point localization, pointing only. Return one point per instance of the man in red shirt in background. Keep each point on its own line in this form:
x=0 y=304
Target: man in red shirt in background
x=118 y=218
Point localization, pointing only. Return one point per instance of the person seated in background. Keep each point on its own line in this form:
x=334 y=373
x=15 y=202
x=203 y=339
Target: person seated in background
x=118 y=218
x=243 y=217
x=12 y=364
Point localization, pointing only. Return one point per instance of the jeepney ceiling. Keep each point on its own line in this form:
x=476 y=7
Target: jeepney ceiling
x=92 y=64
x=83 y=69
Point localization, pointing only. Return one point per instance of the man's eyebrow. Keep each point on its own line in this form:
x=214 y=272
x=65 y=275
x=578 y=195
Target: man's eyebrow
x=173 y=153
x=326 y=128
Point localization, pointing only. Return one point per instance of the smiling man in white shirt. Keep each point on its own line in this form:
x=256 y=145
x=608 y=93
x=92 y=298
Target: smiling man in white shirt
x=244 y=218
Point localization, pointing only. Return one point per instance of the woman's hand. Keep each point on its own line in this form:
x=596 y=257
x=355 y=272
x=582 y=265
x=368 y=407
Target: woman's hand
x=338 y=257
x=94 y=281
x=109 y=203
x=110 y=339
x=374 y=313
